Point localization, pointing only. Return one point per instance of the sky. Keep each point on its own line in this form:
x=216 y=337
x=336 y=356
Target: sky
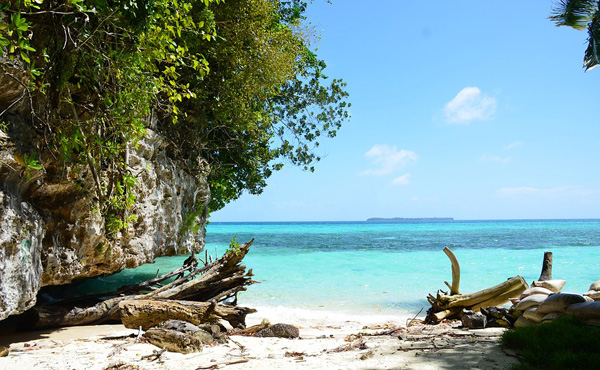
x=464 y=109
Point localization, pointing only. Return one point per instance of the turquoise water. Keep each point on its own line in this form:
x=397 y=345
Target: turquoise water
x=370 y=268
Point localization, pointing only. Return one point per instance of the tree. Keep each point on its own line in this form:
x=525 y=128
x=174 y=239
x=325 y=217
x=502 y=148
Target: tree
x=233 y=83
x=581 y=15
x=264 y=101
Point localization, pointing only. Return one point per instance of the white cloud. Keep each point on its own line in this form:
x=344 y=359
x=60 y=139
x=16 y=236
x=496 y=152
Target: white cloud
x=387 y=159
x=511 y=146
x=470 y=104
x=486 y=158
x=402 y=180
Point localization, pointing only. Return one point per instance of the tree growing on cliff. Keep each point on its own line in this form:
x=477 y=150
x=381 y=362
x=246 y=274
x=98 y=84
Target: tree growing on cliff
x=232 y=82
x=265 y=100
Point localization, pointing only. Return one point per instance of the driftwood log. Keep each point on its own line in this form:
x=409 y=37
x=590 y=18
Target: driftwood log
x=148 y=313
x=447 y=306
x=218 y=280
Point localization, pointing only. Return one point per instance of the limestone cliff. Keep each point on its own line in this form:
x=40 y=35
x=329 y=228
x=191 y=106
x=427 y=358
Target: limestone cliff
x=51 y=231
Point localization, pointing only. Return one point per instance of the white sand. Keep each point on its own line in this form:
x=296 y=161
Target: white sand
x=417 y=347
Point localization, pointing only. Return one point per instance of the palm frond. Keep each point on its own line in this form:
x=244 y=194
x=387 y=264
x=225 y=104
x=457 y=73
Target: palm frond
x=574 y=13
x=592 y=54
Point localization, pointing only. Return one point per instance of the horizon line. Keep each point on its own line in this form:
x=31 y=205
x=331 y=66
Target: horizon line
x=391 y=220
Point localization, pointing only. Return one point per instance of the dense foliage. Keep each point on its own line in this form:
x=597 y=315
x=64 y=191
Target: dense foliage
x=233 y=83
x=581 y=15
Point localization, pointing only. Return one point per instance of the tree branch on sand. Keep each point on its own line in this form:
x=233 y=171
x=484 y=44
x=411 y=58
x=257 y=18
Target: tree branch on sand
x=217 y=281
x=447 y=306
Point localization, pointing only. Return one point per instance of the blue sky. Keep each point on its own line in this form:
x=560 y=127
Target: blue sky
x=464 y=109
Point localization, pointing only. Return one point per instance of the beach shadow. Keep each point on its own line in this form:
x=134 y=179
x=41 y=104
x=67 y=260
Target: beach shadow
x=10 y=333
x=478 y=355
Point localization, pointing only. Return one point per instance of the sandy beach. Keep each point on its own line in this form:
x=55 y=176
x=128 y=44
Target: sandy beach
x=341 y=345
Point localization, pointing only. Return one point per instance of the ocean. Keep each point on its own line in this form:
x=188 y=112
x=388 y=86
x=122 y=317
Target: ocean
x=387 y=269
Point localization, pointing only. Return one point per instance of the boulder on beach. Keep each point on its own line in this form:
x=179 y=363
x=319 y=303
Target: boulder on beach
x=554 y=285
x=531 y=301
x=535 y=290
x=522 y=322
x=593 y=294
x=280 y=331
x=595 y=285
x=585 y=310
x=552 y=316
x=531 y=314
x=473 y=320
x=559 y=302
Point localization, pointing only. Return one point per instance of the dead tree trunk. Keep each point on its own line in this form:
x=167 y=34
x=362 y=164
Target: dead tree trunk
x=445 y=305
x=148 y=313
x=546 y=267
x=218 y=280
x=455 y=272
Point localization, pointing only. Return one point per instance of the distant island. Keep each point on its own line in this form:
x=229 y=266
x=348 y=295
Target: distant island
x=411 y=220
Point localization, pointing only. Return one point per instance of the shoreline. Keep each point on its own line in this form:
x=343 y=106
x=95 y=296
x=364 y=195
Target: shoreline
x=371 y=343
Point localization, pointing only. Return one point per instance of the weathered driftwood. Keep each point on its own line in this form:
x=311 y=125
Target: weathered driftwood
x=445 y=305
x=219 y=280
x=455 y=272
x=148 y=313
x=251 y=330
x=546 y=267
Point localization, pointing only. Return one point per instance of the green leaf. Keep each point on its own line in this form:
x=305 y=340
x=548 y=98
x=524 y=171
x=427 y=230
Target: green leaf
x=25 y=57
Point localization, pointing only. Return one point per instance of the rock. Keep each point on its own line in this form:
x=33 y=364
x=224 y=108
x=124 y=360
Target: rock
x=473 y=320
x=559 y=302
x=498 y=323
x=166 y=197
x=531 y=301
x=21 y=234
x=585 y=310
x=595 y=285
x=280 y=331
x=532 y=315
x=495 y=312
x=554 y=285
x=173 y=340
x=51 y=231
x=204 y=336
x=593 y=294
x=535 y=290
x=179 y=325
x=523 y=322
x=552 y=316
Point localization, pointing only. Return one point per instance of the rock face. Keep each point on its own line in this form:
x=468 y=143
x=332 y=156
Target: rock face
x=279 y=331
x=51 y=231
x=21 y=233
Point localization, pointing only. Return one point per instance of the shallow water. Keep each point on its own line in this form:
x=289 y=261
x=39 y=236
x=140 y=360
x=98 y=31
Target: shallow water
x=380 y=268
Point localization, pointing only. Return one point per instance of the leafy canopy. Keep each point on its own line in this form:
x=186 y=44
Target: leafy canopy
x=233 y=83
x=581 y=15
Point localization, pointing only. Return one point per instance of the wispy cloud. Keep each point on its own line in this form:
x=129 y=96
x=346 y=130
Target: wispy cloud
x=387 y=159
x=513 y=145
x=486 y=158
x=402 y=180
x=470 y=104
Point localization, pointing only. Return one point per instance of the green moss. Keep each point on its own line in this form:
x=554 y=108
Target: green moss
x=566 y=343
